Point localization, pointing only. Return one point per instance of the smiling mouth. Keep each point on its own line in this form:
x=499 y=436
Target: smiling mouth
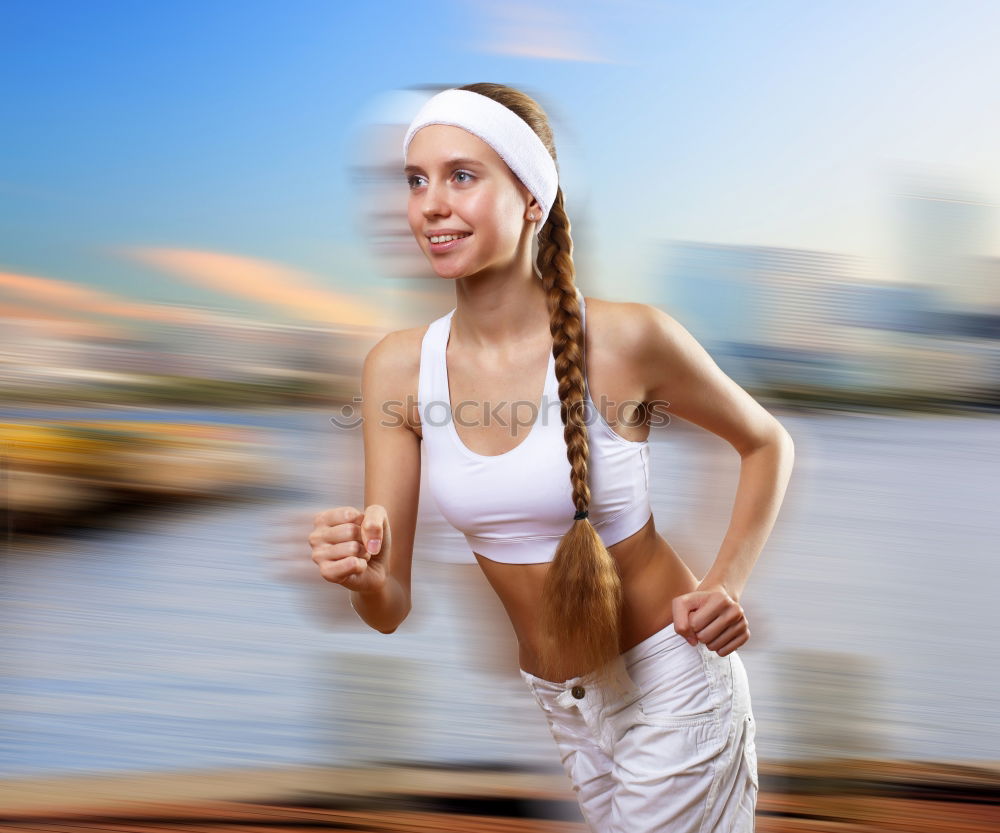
x=451 y=244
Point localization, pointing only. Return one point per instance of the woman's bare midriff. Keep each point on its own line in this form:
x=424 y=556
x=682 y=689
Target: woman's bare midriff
x=652 y=575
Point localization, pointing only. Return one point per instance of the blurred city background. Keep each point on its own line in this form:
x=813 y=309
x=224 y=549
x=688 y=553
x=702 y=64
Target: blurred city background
x=203 y=232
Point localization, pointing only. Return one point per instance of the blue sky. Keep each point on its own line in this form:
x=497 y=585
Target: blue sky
x=221 y=126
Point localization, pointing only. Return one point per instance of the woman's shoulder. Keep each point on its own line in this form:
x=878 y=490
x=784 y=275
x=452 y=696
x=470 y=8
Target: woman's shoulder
x=392 y=371
x=624 y=324
x=396 y=355
x=398 y=351
x=644 y=336
x=616 y=308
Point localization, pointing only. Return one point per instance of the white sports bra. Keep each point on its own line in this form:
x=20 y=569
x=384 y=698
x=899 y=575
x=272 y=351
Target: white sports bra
x=515 y=507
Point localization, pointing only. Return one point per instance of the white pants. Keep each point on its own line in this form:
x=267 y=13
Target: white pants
x=666 y=747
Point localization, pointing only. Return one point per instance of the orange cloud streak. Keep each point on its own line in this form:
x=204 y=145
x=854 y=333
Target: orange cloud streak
x=74 y=296
x=56 y=323
x=261 y=281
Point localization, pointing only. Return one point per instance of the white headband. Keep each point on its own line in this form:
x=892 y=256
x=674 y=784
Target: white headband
x=503 y=130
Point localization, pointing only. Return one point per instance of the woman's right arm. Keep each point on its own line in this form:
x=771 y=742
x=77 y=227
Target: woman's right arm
x=392 y=475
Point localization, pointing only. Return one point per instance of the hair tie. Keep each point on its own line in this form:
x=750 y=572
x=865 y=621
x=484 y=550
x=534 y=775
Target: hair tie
x=504 y=131
x=582 y=514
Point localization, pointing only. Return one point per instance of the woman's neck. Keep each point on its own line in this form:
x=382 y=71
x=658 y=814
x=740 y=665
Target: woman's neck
x=493 y=316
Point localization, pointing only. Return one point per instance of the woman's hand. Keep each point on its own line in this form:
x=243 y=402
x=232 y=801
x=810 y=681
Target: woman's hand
x=350 y=547
x=709 y=614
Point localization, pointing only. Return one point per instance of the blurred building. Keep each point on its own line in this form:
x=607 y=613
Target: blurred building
x=944 y=234
x=779 y=318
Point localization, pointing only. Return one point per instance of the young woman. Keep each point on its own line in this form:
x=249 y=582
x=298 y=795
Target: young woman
x=631 y=658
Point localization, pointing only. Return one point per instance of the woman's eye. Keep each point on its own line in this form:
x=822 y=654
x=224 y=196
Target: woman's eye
x=413 y=182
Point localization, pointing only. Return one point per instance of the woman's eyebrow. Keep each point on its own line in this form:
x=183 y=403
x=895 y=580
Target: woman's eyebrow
x=448 y=163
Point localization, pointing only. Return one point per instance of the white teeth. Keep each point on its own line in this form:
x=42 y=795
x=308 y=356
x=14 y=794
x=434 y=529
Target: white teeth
x=444 y=238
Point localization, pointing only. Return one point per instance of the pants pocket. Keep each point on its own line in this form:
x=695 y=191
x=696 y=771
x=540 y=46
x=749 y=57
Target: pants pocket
x=677 y=688
x=653 y=717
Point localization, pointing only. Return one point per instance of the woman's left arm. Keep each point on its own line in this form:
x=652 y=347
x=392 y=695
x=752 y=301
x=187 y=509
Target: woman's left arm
x=683 y=379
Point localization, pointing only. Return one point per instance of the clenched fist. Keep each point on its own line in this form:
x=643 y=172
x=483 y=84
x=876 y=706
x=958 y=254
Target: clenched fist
x=352 y=547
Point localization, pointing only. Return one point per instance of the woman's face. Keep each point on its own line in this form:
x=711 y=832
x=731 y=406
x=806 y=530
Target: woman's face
x=458 y=182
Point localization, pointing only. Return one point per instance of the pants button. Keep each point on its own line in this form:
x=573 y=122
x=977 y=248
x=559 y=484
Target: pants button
x=578 y=692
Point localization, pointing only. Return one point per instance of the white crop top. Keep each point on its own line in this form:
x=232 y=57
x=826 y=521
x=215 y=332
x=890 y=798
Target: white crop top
x=515 y=507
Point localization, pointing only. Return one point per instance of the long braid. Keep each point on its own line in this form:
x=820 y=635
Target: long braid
x=582 y=594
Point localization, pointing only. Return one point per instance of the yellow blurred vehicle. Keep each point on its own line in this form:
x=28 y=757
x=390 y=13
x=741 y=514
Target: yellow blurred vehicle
x=53 y=469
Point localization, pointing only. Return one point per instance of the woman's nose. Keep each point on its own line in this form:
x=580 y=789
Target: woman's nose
x=435 y=200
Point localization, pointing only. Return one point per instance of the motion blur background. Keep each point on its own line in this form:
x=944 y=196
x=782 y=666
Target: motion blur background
x=203 y=232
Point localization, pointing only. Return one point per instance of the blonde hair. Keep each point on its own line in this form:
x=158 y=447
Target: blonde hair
x=581 y=602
